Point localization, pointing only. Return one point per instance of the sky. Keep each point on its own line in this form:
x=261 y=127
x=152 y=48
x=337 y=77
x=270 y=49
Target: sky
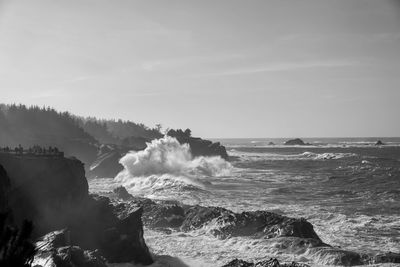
x=227 y=68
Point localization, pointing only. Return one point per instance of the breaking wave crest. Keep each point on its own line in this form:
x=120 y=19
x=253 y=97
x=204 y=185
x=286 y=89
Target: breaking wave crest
x=257 y=156
x=166 y=163
x=326 y=156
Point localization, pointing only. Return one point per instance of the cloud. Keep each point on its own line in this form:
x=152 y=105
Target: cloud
x=285 y=66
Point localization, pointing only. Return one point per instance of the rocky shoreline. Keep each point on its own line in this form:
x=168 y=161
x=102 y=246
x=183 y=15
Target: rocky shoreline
x=75 y=228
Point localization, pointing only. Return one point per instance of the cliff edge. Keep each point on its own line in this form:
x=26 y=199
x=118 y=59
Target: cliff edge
x=52 y=192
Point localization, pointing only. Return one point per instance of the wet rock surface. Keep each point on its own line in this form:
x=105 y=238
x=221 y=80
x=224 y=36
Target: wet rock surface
x=224 y=223
x=54 y=250
x=291 y=235
x=255 y=223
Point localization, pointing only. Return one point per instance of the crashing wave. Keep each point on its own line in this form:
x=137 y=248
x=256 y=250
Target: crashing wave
x=167 y=163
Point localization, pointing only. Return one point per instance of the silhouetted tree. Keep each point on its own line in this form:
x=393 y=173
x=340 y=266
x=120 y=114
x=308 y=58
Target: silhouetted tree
x=16 y=248
x=188 y=132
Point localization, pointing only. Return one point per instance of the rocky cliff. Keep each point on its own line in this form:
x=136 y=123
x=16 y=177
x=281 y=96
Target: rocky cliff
x=198 y=146
x=4 y=189
x=107 y=162
x=53 y=193
x=43 y=186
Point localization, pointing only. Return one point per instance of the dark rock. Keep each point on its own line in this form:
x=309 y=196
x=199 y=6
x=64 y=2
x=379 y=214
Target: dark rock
x=116 y=233
x=16 y=247
x=335 y=256
x=379 y=143
x=198 y=146
x=388 y=257
x=54 y=249
x=295 y=142
x=253 y=223
x=4 y=189
x=130 y=240
x=106 y=164
x=121 y=193
x=136 y=142
x=164 y=216
x=160 y=215
x=239 y=263
x=42 y=188
x=53 y=193
x=271 y=143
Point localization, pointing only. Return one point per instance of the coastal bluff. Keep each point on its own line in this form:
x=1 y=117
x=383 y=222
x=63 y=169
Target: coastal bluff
x=52 y=192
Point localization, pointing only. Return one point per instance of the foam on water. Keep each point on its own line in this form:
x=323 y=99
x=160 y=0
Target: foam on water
x=351 y=195
x=166 y=164
x=167 y=156
x=307 y=155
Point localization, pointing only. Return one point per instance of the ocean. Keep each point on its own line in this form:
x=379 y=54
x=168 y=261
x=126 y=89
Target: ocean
x=348 y=188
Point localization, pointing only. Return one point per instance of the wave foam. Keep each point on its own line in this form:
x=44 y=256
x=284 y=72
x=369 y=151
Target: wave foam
x=325 y=156
x=167 y=163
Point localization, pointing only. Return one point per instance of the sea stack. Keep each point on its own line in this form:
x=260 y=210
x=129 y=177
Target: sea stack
x=295 y=142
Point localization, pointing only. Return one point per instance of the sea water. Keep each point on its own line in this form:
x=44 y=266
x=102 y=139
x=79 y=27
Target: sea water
x=348 y=188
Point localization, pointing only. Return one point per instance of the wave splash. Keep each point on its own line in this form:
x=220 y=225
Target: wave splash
x=167 y=163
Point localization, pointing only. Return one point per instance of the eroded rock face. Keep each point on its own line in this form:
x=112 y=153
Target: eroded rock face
x=126 y=239
x=42 y=188
x=55 y=250
x=107 y=162
x=53 y=193
x=254 y=223
x=117 y=234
